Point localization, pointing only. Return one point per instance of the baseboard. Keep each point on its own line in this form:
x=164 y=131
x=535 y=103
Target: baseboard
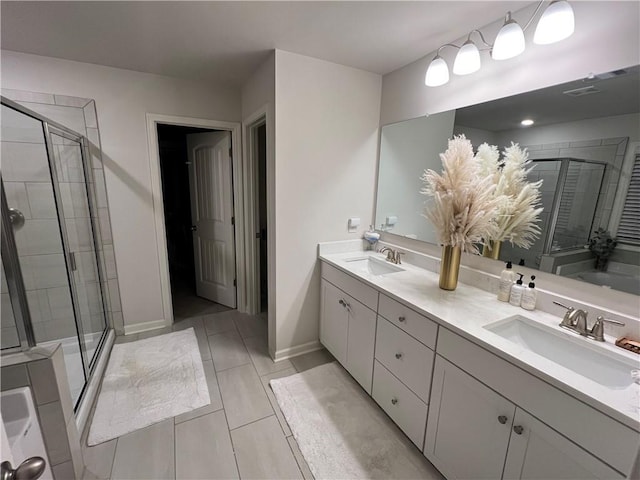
x=145 y=326
x=297 y=350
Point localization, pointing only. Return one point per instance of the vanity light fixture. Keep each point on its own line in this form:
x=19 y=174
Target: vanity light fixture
x=527 y=122
x=556 y=23
x=510 y=40
x=438 y=72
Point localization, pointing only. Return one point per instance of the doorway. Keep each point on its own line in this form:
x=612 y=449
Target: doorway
x=197 y=188
x=260 y=145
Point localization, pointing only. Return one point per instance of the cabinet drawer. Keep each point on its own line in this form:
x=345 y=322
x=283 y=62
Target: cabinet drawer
x=358 y=290
x=602 y=436
x=413 y=323
x=405 y=357
x=400 y=403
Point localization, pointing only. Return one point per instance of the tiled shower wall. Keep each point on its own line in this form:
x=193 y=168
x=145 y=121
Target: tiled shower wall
x=47 y=301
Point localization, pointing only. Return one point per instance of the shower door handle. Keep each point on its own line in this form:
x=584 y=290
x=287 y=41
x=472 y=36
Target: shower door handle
x=16 y=218
x=72 y=261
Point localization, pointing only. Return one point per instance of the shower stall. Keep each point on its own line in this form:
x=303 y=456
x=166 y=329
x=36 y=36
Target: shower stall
x=55 y=289
x=572 y=201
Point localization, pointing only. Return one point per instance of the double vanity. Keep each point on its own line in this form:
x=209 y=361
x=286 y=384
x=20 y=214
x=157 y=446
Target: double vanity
x=482 y=388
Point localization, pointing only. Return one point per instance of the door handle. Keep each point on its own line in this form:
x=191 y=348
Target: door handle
x=194 y=228
x=30 y=469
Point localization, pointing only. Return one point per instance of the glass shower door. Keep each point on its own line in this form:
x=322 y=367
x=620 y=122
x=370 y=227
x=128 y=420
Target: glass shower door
x=32 y=247
x=75 y=193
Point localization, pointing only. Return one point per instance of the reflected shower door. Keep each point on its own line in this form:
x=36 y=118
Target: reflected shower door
x=76 y=197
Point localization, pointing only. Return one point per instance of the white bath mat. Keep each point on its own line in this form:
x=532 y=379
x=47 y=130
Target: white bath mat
x=148 y=381
x=341 y=432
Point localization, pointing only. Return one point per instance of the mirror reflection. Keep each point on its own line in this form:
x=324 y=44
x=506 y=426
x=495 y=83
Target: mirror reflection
x=584 y=140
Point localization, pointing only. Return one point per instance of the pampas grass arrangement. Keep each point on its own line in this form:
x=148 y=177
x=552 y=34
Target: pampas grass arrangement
x=518 y=208
x=464 y=204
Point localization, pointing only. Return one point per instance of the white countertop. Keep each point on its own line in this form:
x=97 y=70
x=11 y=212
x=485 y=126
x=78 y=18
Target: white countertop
x=468 y=309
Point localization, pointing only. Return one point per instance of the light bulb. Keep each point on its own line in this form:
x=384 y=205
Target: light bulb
x=557 y=23
x=467 y=60
x=510 y=40
x=527 y=122
x=437 y=73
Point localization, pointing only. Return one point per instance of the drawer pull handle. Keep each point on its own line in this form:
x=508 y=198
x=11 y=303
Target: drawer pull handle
x=402 y=319
x=394 y=401
x=502 y=419
x=398 y=356
x=518 y=429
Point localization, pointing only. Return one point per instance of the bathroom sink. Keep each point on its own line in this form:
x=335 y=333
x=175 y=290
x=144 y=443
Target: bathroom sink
x=578 y=354
x=373 y=265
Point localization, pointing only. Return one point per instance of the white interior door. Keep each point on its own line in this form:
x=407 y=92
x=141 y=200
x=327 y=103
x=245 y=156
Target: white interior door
x=211 y=190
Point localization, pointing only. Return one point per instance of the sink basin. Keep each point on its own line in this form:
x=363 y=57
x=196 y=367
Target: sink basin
x=568 y=350
x=373 y=265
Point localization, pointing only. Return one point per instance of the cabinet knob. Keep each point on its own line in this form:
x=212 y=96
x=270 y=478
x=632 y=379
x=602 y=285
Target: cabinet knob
x=398 y=356
x=518 y=429
x=342 y=302
x=402 y=319
x=502 y=419
x=394 y=400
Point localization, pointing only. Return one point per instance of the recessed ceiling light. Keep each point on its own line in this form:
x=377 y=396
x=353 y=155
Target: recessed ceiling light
x=526 y=122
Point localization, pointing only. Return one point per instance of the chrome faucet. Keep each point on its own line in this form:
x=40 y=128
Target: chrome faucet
x=393 y=256
x=597 y=331
x=576 y=320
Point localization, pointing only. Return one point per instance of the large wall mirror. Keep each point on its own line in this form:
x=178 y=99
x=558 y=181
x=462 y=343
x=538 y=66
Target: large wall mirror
x=584 y=143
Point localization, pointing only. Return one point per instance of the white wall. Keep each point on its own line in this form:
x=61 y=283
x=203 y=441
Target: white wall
x=605 y=39
x=326 y=146
x=123 y=98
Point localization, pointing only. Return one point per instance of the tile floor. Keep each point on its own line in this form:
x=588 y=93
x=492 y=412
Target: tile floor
x=241 y=434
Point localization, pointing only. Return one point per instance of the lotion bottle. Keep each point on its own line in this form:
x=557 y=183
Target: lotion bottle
x=515 y=297
x=507 y=278
x=529 y=295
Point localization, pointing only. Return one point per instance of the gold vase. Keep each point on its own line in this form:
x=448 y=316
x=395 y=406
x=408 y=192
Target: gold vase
x=492 y=250
x=449 y=267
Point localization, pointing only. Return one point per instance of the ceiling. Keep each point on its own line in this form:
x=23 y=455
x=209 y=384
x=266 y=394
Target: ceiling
x=612 y=93
x=225 y=42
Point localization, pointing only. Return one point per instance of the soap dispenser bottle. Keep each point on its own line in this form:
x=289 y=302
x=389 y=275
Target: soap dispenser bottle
x=515 y=297
x=530 y=295
x=507 y=278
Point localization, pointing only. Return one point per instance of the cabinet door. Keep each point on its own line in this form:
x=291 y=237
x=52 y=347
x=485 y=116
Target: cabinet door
x=334 y=321
x=360 y=343
x=468 y=425
x=536 y=451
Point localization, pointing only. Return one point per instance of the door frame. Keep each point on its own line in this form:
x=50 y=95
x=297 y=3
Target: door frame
x=158 y=202
x=265 y=115
x=250 y=126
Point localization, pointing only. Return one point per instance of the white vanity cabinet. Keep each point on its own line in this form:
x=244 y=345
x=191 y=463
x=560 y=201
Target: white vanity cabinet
x=468 y=427
x=348 y=323
x=537 y=451
x=473 y=432
x=404 y=361
x=473 y=413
